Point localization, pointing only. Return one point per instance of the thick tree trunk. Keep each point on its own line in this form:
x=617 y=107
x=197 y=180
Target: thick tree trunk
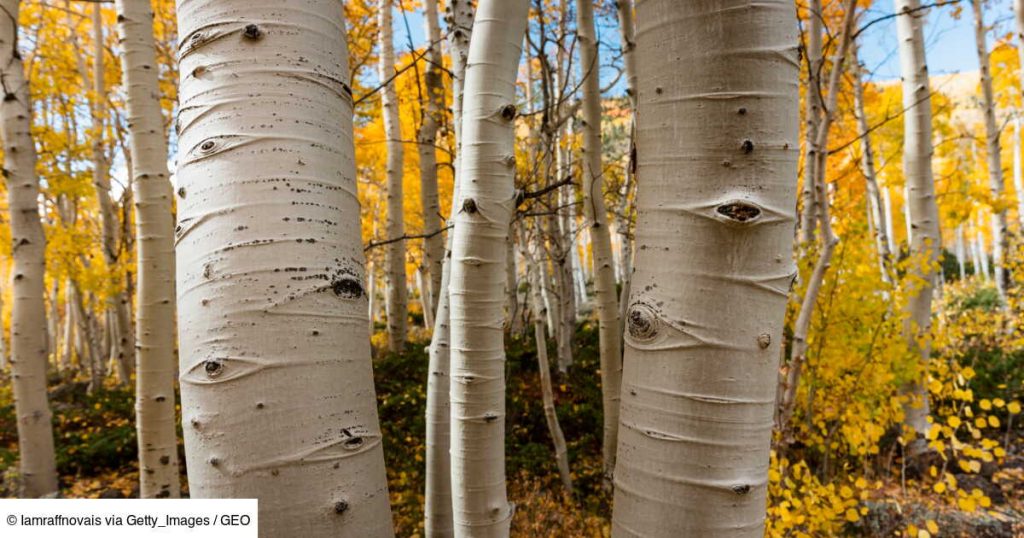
x=597 y=221
x=397 y=291
x=924 y=214
x=28 y=312
x=270 y=271
x=433 y=107
x=813 y=63
x=438 y=496
x=995 y=166
x=481 y=508
x=154 y=228
x=699 y=383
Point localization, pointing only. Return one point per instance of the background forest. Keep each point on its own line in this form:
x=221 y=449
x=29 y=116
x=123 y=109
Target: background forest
x=868 y=439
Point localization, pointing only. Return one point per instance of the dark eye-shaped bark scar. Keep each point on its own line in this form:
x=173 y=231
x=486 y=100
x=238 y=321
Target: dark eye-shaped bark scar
x=347 y=287
x=739 y=211
x=508 y=112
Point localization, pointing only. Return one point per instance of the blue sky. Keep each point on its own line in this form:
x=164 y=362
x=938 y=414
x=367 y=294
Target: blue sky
x=949 y=40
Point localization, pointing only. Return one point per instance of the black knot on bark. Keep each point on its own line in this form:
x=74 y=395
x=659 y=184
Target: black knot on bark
x=252 y=32
x=213 y=368
x=764 y=340
x=741 y=489
x=748 y=146
x=340 y=507
x=739 y=211
x=642 y=322
x=742 y=111
x=181 y=193
x=353 y=443
x=508 y=112
x=469 y=205
x=347 y=287
x=207 y=146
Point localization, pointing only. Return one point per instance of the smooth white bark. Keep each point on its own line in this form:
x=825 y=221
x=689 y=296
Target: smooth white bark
x=609 y=335
x=28 y=308
x=397 y=303
x=876 y=207
x=995 y=166
x=813 y=63
x=718 y=84
x=487 y=164
x=433 y=107
x=438 y=522
x=157 y=369
x=923 y=211
x=277 y=389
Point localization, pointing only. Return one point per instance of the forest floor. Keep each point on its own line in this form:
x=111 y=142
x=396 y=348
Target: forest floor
x=96 y=454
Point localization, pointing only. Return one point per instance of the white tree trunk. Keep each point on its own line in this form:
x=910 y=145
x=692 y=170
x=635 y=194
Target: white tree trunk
x=277 y=390
x=3 y=330
x=875 y=204
x=995 y=167
x=1018 y=174
x=597 y=222
x=813 y=63
x=986 y=271
x=154 y=228
x=889 y=229
x=433 y=107
x=397 y=290
x=699 y=382
x=543 y=367
x=487 y=165
x=924 y=214
x=438 y=495
x=28 y=310
x=960 y=255
x=122 y=347
x=802 y=327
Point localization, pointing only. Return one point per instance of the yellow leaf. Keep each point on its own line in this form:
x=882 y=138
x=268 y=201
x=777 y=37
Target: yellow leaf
x=954 y=422
x=933 y=527
x=985 y=404
x=1014 y=407
x=939 y=487
x=852 y=515
x=968 y=372
x=993 y=421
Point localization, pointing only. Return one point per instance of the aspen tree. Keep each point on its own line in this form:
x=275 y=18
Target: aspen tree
x=277 y=389
x=597 y=221
x=154 y=228
x=28 y=246
x=924 y=215
x=813 y=63
x=1018 y=172
x=876 y=207
x=438 y=495
x=995 y=166
x=480 y=505
x=121 y=345
x=802 y=326
x=717 y=142
x=433 y=245
x=543 y=366
x=397 y=292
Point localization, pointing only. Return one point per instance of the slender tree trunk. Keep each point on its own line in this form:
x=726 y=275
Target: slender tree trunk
x=481 y=508
x=120 y=349
x=801 y=329
x=397 y=292
x=154 y=228
x=1018 y=173
x=28 y=312
x=699 y=382
x=3 y=331
x=960 y=254
x=875 y=204
x=438 y=521
x=995 y=167
x=433 y=246
x=627 y=31
x=813 y=63
x=512 y=313
x=543 y=367
x=924 y=214
x=597 y=220
x=270 y=264
x=982 y=249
